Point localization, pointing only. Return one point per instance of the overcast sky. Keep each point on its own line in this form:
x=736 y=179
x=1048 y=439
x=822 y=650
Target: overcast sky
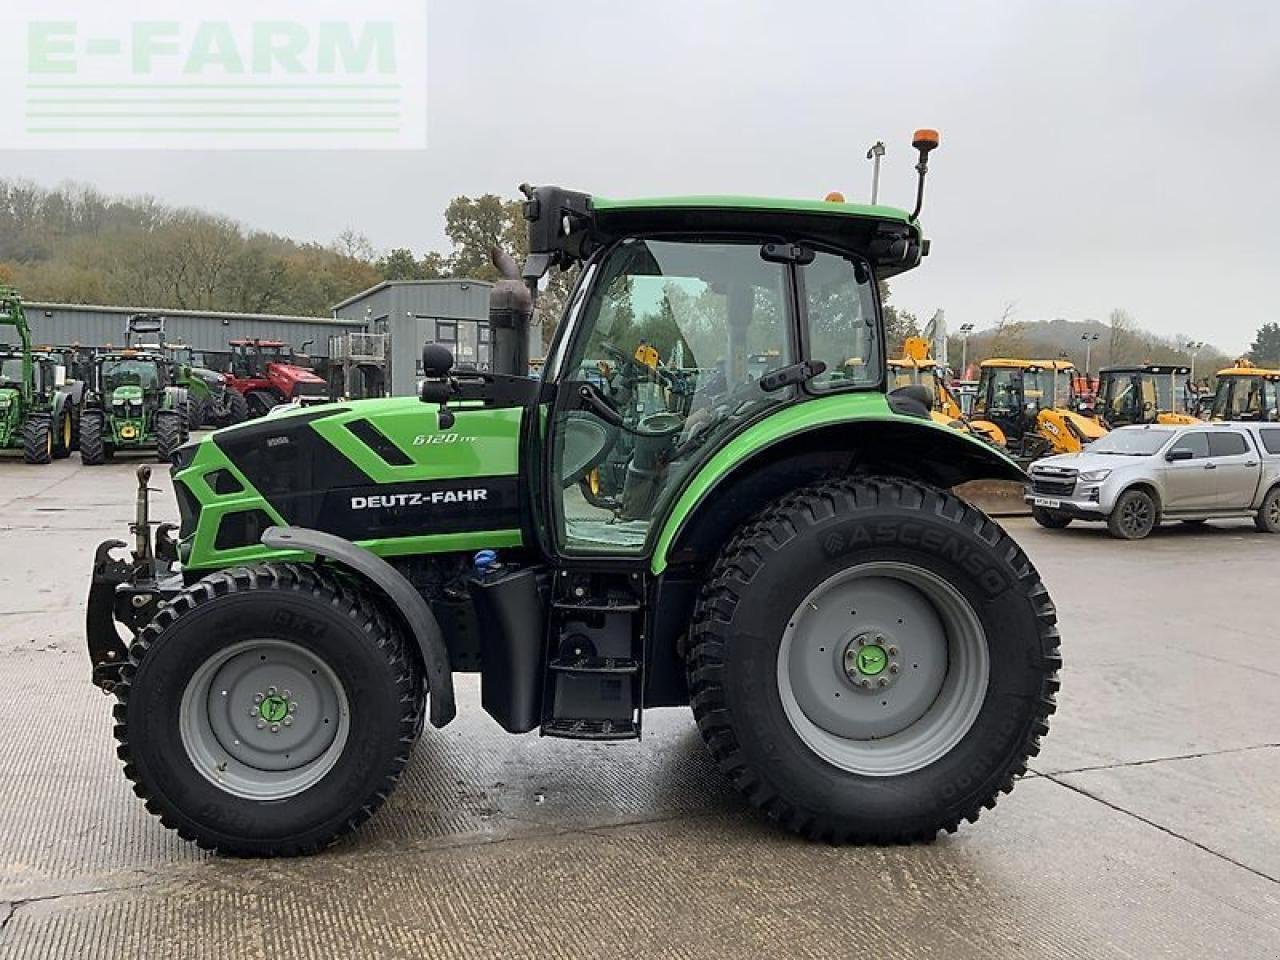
x=1094 y=155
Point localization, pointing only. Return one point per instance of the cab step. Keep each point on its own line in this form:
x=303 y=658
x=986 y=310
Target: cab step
x=595 y=655
x=595 y=665
x=607 y=729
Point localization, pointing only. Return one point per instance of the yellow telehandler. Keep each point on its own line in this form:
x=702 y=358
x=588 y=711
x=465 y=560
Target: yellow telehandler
x=1246 y=392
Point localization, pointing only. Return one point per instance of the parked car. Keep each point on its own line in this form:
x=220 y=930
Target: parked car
x=1135 y=477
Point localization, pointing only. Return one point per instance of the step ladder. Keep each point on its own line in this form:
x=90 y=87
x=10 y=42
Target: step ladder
x=595 y=655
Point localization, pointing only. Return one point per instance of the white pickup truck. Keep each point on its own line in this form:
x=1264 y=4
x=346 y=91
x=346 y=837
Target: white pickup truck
x=1135 y=477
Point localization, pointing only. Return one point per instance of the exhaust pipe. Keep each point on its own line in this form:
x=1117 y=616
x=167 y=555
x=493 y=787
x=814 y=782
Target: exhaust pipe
x=510 y=313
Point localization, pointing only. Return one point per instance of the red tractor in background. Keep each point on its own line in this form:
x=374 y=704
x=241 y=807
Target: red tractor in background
x=266 y=373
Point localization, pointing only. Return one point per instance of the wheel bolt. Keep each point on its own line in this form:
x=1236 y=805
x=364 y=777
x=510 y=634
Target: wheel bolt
x=293 y=706
x=260 y=725
x=879 y=639
x=288 y=721
x=866 y=682
x=287 y=695
x=862 y=641
x=257 y=698
x=271 y=691
x=893 y=668
x=884 y=681
x=275 y=728
x=893 y=651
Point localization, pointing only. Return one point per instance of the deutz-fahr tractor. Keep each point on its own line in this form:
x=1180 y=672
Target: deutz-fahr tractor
x=132 y=405
x=868 y=657
x=1030 y=406
x=1247 y=392
x=39 y=415
x=266 y=373
x=209 y=399
x=1145 y=393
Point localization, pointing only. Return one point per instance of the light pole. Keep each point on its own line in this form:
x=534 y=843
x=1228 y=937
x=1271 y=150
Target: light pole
x=1193 y=347
x=874 y=154
x=1089 y=340
x=965 y=330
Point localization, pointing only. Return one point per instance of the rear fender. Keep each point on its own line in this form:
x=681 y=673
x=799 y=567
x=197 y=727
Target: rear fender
x=785 y=452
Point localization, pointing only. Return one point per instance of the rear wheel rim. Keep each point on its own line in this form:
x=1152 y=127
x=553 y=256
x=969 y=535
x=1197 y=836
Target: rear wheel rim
x=883 y=669
x=264 y=719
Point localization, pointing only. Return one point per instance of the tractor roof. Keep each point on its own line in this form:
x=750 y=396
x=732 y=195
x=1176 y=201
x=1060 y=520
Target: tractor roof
x=1152 y=368
x=1243 y=368
x=887 y=236
x=129 y=354
x=255 y=343
x=1061 y=366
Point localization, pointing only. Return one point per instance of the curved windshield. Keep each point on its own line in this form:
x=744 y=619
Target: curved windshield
x=1131 y=443
x=130 y=372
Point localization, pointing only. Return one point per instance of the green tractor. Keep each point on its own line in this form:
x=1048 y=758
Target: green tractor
x=210 y=402
x=868 y=657
x=39 y=414
x=132 y=405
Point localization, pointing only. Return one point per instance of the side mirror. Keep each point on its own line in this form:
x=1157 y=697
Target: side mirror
x=437 y=361
x=1179 y=453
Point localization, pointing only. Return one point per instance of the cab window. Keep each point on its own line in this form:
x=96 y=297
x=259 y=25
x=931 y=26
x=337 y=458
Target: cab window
x=1197 y=443
x=839 y=305
x=1227 y=445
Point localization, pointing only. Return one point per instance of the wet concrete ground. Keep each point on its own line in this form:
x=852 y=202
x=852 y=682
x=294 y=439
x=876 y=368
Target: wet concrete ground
x=1150 y=827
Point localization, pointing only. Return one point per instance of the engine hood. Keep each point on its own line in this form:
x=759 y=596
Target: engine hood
x=1081 y=462
x=128 y=392
x=8 y=395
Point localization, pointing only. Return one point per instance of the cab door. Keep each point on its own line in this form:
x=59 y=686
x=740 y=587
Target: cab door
x=1190 y=484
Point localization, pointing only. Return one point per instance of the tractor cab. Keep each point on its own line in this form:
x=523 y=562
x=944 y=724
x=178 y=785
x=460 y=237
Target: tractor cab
x=1247 y=392
x=250 y=358
x=1145 y=393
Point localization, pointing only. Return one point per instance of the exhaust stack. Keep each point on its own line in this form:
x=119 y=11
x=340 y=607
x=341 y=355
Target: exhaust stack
x=510 y=313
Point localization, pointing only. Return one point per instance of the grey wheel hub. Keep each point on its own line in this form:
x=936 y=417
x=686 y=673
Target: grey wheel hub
x=882 y=668
x=1135 y=515
x=264 y=719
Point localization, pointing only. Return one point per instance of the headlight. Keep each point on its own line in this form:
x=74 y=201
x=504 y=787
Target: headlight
x=1095 y=476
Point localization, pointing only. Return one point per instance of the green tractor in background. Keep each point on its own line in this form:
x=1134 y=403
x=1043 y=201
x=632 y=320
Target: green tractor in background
x=210 y=401
x=39 y=410
x=868 y=657
x=132 y=405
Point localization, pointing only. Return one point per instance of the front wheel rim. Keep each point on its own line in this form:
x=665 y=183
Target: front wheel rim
x=912 y=698
x=1135 y=517
x=264 y=719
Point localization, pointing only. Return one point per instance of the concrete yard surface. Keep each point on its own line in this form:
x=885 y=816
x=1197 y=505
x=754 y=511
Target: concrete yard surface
x=1149 y=827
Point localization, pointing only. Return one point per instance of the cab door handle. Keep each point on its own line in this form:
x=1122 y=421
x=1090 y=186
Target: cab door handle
x=1211 y=466
x=1251 y=463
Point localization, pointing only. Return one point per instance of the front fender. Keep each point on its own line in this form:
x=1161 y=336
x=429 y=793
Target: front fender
x=407 y=600
x=875 y=438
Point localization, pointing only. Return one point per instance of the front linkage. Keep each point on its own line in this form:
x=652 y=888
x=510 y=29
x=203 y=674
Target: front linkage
x=131 y=590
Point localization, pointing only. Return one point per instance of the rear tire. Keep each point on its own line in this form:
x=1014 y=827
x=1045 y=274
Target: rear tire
x=1134 y=516
x=782 y=708
x=1267 y=519
x=37 y=439
x=1050 y=519
x=92 y=448
x=190 y=771
x=168 y=434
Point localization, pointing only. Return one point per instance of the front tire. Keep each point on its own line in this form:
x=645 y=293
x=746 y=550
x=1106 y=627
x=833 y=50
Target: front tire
x=237 y=409
x=37 y=440
x=1267 y=519
x=1050 y=519
x=64 y=436
x=1134 y=516
x=873 y=580
x=224 y=770
x=93 y=451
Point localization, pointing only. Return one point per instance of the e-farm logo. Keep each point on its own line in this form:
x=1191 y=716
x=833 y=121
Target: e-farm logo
x=231 y=74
